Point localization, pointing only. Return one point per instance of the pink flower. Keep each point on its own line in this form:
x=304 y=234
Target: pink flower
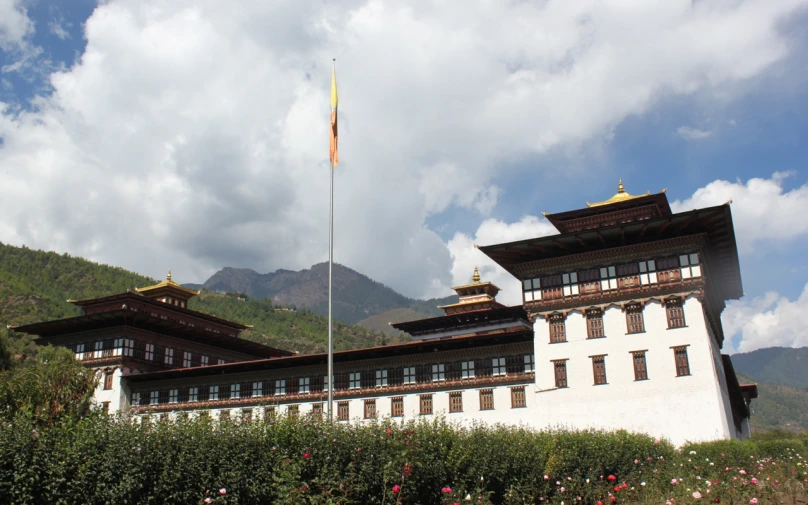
x=611 y=478
x=656 y=441
x=674 y=481
x=396 y=489
x=612 y=499
x=753 y=501
x=546 y=477
x=696 y=495
x=306 y=456
x=446 y=490
x=754 y=481
x=207 y=500
x=636 y=461
x=223 y=491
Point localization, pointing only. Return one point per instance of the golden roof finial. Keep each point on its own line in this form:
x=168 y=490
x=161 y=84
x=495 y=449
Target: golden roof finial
x=620 y=188
x=621 y=196
x=476 y=276
x=168 y=277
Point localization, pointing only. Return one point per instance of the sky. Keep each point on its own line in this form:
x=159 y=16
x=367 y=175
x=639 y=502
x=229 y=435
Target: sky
x=194 y=135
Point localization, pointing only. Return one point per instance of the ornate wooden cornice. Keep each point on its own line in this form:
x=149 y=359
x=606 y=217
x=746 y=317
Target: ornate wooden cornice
x=608 y=256
x=350 y=394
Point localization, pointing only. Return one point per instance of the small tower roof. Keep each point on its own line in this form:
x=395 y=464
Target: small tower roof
x=167 y=288
x=621 y=196
x=475 y=296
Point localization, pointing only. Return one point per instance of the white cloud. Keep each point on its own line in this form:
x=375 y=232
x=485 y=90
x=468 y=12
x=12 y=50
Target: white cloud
x=689 y=133
x=761 y=209
x=770 y=320
x=465 y=256
x=14 y=24
x=58 y=28
x=193 y=135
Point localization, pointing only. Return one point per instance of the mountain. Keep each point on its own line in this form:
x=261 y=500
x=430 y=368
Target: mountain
x=776 y=365
x=778 y=407
x=35 y=286
x=356 y=297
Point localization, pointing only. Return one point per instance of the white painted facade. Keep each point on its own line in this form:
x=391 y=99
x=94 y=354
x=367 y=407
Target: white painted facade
x=694 y=407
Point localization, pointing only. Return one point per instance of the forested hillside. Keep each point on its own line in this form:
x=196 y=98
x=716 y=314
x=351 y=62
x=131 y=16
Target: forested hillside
x=778 y=365
x=35 y=286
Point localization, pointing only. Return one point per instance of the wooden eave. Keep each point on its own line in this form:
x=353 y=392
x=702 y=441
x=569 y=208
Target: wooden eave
x=460 y=342
x=714 y=222
x=657 y=205
x=463 y=320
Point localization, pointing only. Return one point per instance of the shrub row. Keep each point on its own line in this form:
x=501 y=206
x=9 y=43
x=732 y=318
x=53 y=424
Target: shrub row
x=103 y=459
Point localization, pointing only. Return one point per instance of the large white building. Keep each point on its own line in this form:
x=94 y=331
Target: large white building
x=620 y=329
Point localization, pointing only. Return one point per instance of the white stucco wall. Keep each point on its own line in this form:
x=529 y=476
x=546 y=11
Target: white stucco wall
x=678 y=408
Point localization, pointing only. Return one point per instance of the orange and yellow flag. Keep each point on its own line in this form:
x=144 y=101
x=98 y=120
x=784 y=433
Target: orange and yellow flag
x=333 y=152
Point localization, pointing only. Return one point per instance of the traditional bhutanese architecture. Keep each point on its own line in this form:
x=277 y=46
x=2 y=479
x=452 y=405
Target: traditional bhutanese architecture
x=619 y=328
x=626 y=306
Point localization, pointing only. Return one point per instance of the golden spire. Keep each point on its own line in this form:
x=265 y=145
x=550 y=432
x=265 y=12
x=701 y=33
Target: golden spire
x=168 y=277
x=476 y=276
x=620 y=196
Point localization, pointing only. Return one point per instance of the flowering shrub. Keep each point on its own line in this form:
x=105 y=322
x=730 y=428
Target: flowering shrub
x=104 y=459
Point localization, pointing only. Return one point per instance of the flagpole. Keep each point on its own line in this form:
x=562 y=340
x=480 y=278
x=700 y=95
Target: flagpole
x=330 y=276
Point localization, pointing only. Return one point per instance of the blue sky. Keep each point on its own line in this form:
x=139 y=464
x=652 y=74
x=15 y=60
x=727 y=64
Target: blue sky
x=190 y=135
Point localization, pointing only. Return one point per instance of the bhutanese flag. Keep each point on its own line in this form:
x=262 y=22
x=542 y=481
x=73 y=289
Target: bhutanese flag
x=333 y=152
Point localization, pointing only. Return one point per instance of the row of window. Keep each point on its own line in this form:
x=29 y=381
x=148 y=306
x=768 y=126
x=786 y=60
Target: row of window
x=144 y=351
x=635 y=322
x=622 y=276
x=418 y=374
x=638 y=359
x=425 y=403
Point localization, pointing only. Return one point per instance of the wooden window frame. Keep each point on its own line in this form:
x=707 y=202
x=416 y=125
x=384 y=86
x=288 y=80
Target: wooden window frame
x=317 y=411
x=530 y=363
x=681 y=360
x=343 y=411
x=370 y=408
x=594 y=324
x=675 y=312
x=438 y=372
x=108 y=379
x=599 y=369
x=397 y=406
x=425 y=405
x=382 y=378
x=558 y=328
x=559 y=369
x=487 y=399
x=635 y=319
x=293 y=411
x=410 y=375
x=499 y=366
x=640 y=365
x=518 y=398
x=270 y=413
x=455 y=401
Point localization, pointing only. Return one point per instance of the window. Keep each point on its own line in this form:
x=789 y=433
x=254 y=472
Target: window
x=558 y=332
x=317 y=411
x=675 y=312
x=235 y=391
x=690 y=265
x=634 y=318
x=682 y=364
x=135 y=399
x=498 y=366
x=128 y=347
x=169 y=356
x=599 y=369
x=304 y=385
x=381 y=378
x=280 y=387
x=258 y=388
x=149 y=352
x=193 y=394
x=269 y=413
x=354 y=380
x=529 y=363
x=342 y=411
x=186 y=360
x=370 y=409
x=518 y=397
x=105 y=406
x=246 y=415
x=99 y=349
x=213 y=394
x=108 y=380
x=640 y=370
x=220 y=361
x=293 y=411
x=551 y=287
x=397 y=406
x=594 y=323
x=486 y=399
x=438 y=372
x=531 y=289
x=456 y=401
x=426 y=404
x=80 y=351
x=409 y=375
x=173 y=394
x=154 y=398
x=466 y=369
